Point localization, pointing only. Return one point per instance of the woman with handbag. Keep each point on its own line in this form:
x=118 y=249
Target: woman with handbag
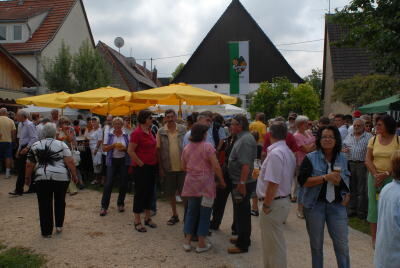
x=66 y=134
x=95 y=138
x=380 y=149
x=50 y=160
x=201 y=164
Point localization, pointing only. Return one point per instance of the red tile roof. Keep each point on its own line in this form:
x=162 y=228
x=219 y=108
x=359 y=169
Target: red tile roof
x=58 y=11
x=13 y=14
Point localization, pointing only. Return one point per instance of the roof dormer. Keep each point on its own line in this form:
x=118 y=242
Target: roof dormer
x=18 y=25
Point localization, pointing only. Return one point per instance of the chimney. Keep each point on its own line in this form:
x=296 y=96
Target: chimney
x=144 y=65
x=154 y=75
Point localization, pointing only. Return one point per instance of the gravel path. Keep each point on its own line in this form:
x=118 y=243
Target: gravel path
x=92 y=241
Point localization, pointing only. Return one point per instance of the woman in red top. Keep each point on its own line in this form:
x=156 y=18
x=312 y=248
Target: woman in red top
x=143 y=152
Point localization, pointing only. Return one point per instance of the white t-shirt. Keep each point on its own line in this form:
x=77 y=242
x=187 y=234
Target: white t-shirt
x=48 y=155
x=120 y=139
x=94 y=136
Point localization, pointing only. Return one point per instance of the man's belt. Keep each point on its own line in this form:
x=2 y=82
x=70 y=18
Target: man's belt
x=354 y=161
x=276 y=198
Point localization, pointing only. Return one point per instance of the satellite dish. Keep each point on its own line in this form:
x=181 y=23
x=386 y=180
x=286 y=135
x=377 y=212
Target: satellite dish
x=119 y=42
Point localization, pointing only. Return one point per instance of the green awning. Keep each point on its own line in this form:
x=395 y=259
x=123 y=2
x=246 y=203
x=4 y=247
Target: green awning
x=385 y=105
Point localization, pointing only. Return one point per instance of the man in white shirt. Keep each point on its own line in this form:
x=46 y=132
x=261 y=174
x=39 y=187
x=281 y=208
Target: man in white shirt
x=273 y=190
x=340 y=124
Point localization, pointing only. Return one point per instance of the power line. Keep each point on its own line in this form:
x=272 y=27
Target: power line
x=303 y=42
x=299 y=50
x=286 y=44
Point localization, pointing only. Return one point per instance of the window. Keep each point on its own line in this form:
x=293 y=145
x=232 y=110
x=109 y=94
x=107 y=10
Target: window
x=17 y=32
x=3 y=32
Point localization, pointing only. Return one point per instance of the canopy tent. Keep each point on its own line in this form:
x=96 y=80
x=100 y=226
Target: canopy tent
x=47 y=100
x=181 y=94
x=45 y=111
x=224 y=109
x=381 y=106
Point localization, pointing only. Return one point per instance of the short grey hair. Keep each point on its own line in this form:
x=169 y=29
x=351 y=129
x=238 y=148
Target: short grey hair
x=359 y=119
x=23 y=113
x=365 y=117
x=95 y=118
x=278 y=130
x=301 y=119
x=279 y=119
x=3 y=111
x=115 y=119
x=49 y=130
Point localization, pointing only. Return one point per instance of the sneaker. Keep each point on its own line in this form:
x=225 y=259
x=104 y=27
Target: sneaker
x=59 y=230
x=206 y=248
x=178 y=199
x=187 y=247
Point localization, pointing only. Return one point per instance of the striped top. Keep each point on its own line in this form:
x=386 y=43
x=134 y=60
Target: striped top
x=357 y=146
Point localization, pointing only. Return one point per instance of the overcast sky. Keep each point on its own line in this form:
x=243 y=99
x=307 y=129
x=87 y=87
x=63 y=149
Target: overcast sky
x=163 y=28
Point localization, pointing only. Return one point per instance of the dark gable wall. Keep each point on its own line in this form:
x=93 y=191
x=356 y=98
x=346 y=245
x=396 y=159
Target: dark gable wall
x=210 y=62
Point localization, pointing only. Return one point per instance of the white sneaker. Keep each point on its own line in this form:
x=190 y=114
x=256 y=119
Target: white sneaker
x=59 y=230
x=187 y=247
x=178 y=199
x=206 y=248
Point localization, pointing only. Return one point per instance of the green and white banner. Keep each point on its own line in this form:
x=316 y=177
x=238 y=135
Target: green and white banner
x=239 y=67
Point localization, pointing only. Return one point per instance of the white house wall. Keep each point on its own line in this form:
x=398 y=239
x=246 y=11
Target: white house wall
x=74 y=31
x=29 y=62
x=36 y=21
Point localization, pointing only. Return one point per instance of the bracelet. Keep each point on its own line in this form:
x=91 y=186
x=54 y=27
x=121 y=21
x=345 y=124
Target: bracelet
x=323 y=178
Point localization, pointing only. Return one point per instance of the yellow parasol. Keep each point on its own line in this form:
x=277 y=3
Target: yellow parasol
x=178 y=94
x=119 y=108
x=99 y=95
x=47 y=100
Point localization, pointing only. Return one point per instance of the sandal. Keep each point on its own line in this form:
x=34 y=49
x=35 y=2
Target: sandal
x=254 y=213
x=140 y=229
x=173 y=220
x=150 y=223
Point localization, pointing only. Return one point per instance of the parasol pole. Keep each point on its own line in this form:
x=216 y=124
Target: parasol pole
x=180 y=109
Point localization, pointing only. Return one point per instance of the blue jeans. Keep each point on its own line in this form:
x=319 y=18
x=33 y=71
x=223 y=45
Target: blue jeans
x=335 y=216
x=117 y=166
x=196 y=213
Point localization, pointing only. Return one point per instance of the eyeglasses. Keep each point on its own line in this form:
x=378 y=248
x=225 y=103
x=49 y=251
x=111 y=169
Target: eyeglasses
x=327 y=138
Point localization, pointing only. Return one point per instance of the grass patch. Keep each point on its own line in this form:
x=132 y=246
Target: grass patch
x=359 y=225
x=21 y=257
x=2 y=246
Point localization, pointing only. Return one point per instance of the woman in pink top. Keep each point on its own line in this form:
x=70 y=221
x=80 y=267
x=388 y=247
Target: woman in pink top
x=201 y=164
x=306 y=142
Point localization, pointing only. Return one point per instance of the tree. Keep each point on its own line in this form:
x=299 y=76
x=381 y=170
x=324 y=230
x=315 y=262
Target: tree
x=374 y=25
x=268 y=96
x=315 y=80
x=89 y=69
x=238 y=103
x=361 y=90
x=302 y=100
x=57 y=71
x=178 y=69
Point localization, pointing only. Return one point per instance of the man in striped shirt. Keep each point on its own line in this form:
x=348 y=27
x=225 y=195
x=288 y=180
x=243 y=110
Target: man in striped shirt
x=355 y=146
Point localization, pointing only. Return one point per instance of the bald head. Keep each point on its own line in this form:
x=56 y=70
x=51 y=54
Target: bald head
x=3 y=112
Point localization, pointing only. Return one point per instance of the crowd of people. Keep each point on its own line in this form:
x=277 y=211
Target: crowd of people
x=338 y=167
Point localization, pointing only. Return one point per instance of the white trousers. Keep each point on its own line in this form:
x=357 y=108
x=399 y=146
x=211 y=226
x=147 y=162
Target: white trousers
x=273 y=240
